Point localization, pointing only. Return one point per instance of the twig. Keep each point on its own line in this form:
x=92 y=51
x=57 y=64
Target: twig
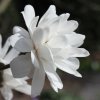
x=3 y=67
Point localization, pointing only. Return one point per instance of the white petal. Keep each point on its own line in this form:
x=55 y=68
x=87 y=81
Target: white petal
x=21 y=31
x=67 y=67
x=25 y=88
x=38 y=81
x=21 y=66
x=75 y=40
x=14 y=39
x=10 y=80
x=67 y=27
x=7 y=71
x=79 y=52
x=7 y=93
x=54 y=87
x=20 y=43
x=34 y=59
x=11 y=55
x=59 y=41
x=52 y=75
x=60 y=25
x=48 y=64
x=54 y=27
x=57 y=26
x=55 y=50
x=64 y=17
x=13 y=83
x=37 y=36
x=33 y=24
x=5 y=48
x=40 y=36
x=50 y=14
x=28 y=14
x=72 y=52
x=74 y=62
x=45 y=54
x=7 y=75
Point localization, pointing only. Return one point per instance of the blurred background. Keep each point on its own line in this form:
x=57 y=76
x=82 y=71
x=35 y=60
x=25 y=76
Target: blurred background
x=87 y=13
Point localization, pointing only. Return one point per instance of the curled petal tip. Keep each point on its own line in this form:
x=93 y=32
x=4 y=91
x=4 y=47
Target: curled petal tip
x=67 y=15
x=28 y=6
x=52 y=6
x=15 y=29
x=79 y=75
x=75 y=23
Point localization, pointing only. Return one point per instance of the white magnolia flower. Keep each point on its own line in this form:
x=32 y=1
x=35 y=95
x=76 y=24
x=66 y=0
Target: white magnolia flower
x=9 y=82
x=53 y=44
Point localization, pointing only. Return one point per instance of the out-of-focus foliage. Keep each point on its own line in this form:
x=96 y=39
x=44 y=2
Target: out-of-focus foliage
x=3 y=5
x=8 y=19
x=49 y=95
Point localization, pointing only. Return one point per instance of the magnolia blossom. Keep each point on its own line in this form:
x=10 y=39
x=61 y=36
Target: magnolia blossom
x=9 y=82
x=50 y=44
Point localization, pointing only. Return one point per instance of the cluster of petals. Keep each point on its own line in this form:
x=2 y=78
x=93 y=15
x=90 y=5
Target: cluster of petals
x=50 y=43
x=9 y=82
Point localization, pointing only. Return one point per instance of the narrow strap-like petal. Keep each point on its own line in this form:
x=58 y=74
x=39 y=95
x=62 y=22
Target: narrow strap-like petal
x=38 y=81
x=72 y=52
x=7 y=93
x=40 y=36
x=64 y=17
x=21 y=31
x=16 y=83
x=75 y=39
x=25 y=88
x=67 y=27
x=34 y=59
x=33 y=25
x=48 y=64
x=20 y=43
x=52 y=75
x=50 y=14
x=28 y=14
x=66 y=66
x=5 y=48
x=11 y=55
x=10 y=80
x=59 y=41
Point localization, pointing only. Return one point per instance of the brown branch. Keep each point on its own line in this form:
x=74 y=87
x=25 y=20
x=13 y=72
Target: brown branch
x=3 y=67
